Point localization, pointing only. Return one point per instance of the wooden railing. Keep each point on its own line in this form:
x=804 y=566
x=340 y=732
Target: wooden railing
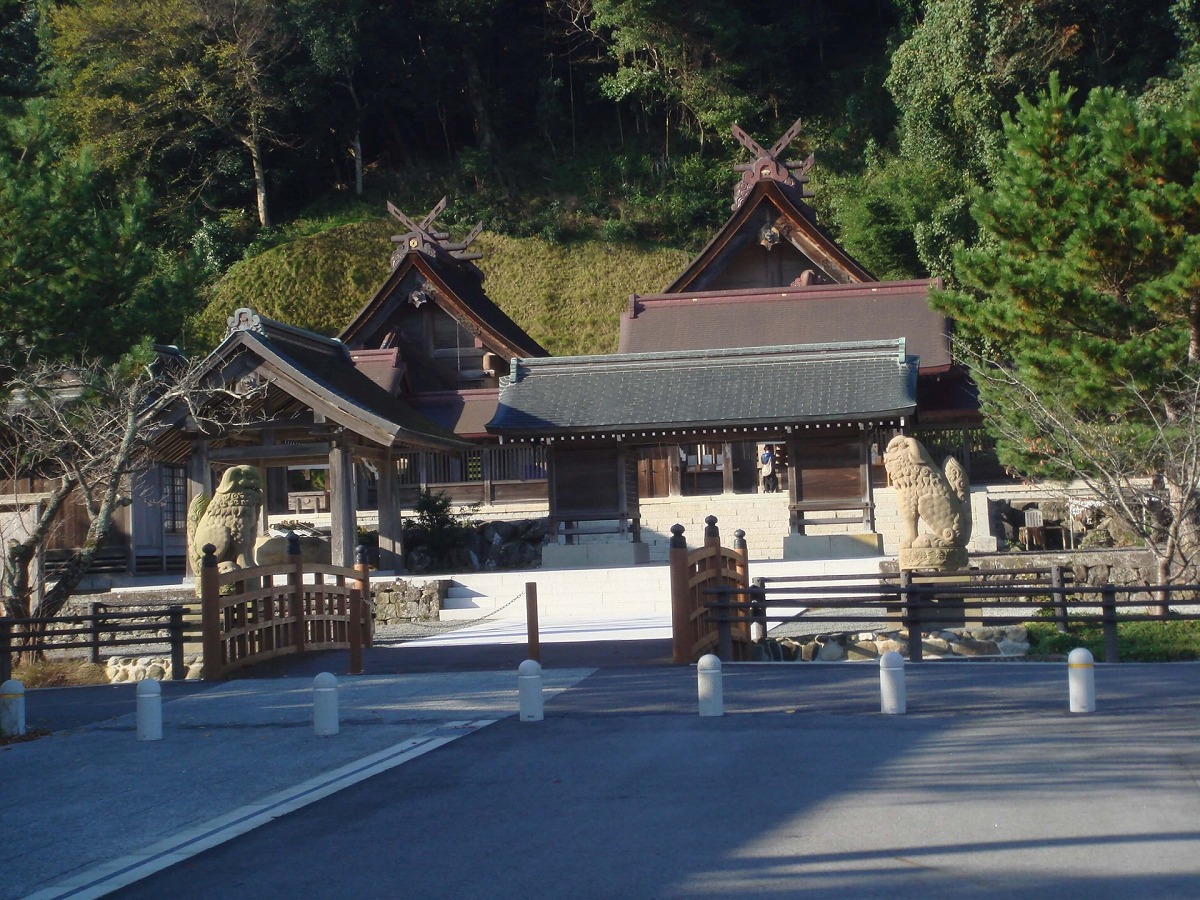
x=693 y=575
x=914 y=604
x=248 y=616
x=98 y=629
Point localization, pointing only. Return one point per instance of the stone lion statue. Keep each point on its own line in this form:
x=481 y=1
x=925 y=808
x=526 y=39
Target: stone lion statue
x=941 y=497
x=229 y=520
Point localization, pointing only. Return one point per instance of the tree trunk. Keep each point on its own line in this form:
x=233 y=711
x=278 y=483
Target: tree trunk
x=17 y=588
x=475 y=94
x=253 y=143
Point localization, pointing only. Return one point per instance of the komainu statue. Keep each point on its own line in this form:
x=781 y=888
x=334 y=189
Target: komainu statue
x=940 y=497
x=228 y=521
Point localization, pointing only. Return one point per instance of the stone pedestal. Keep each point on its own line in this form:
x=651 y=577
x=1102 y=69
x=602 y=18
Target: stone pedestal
x=933 y=559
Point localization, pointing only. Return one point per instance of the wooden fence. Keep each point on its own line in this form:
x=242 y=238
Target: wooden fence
x=99 y=628
x=248 y=617
x=943 y=600
x=693 y=575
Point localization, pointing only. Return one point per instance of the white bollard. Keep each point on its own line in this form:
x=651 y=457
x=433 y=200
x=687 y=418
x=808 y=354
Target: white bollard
x=12 y=709
x=893 y=699
x=149 y=710
x=529 y=691
x=325 y=705
x=709 y=687
x=1081 y=676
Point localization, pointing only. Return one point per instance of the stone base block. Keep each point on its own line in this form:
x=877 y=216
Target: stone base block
x=832 y=546
x=594 y=556
x=933 y=559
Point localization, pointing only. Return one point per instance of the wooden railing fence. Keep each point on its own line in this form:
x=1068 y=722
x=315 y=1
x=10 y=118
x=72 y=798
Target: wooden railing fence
x=914 y=605
x=695 y=573
x=247 y=617
x=99 y=628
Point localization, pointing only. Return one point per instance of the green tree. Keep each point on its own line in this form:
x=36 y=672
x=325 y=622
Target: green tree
x=173 y=86
x=81 y=270
x=1086 y=284
x=960 y=70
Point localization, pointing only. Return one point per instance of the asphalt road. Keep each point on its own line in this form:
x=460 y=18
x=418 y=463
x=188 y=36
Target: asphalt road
x=988 y=787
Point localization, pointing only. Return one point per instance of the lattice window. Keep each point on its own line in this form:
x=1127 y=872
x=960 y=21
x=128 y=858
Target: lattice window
x=174 y=499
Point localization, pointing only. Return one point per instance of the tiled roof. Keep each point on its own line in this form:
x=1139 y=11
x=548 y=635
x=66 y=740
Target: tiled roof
x=792 y=315
x=723 y=388
x=318 y=371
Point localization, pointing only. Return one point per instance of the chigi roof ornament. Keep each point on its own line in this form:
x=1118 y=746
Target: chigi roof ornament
x=767 y=165
x=421 y=237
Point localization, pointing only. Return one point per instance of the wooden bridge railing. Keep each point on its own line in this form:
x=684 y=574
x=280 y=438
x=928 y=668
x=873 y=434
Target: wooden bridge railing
x=247 y=617
x=693 y=575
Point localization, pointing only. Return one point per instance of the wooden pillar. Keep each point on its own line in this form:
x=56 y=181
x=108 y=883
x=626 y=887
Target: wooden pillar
x=726 y=468
x=342 y=520
x=199 y=475
x=391 y=524
x=681 y=609
x=868 y=491
x=676 y=472
x=794 y=493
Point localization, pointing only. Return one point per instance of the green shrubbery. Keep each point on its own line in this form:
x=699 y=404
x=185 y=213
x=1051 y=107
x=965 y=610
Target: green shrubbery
x=1170 y=641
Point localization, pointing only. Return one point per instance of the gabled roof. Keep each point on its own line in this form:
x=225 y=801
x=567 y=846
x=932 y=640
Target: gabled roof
x=769 y=209
x=782 y=385
x=815 y=314
x=457 y=287
x=793 y=221
x=318 y=373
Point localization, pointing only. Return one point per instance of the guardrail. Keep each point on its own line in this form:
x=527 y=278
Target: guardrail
x=100 y=628
x=911 y=604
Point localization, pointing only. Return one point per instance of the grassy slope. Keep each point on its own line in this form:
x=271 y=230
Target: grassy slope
x=568 y=297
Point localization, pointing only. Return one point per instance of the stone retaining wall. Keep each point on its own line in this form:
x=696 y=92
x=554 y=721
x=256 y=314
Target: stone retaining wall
x=1010 y=641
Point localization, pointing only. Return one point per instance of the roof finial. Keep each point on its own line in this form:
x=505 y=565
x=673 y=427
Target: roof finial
x=421 y=238
x=767 y=165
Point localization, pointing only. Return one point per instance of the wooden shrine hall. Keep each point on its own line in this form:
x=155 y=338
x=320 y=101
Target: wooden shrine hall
x=773 y=339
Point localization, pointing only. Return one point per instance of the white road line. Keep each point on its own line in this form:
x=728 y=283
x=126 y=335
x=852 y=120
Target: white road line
x=119 y=873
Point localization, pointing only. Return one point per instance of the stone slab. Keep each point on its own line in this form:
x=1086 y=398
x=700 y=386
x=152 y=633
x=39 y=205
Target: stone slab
x=833 y=546
x=578 y=556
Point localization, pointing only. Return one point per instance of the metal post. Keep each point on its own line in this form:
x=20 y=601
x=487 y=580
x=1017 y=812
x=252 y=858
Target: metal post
x=12 y=708
x=533 y=635
x=529 y=691
x=893 y=699
x=1081 y=680
x=149 y=710
x=709 y=688
x=325 y=705
x=1108 y=601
